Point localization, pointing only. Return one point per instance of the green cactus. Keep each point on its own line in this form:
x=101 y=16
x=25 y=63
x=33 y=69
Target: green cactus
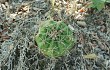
x=54 y=38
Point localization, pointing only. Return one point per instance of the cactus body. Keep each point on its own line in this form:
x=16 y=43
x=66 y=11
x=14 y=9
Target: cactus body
x=54 y=38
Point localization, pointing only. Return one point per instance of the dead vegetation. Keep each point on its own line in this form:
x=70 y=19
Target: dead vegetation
x=19 y=23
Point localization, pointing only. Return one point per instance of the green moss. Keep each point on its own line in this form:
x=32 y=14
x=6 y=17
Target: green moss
x=54 y=38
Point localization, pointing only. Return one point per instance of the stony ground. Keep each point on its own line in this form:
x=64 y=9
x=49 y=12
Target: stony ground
x=18 y=50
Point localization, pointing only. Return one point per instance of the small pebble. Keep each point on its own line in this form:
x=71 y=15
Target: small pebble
x=81 y=23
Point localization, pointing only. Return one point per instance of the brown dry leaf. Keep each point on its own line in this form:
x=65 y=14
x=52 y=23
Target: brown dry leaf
x=5 y=37
x=90 y=56
x=23 y=9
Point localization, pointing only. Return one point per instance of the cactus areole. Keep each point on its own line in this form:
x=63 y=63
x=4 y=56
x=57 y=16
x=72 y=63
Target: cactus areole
x=54 y=38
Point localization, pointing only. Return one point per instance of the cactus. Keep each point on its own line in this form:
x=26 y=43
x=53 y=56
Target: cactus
x=54 y=38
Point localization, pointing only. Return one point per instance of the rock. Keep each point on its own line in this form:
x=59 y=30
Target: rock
x=81 y=23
